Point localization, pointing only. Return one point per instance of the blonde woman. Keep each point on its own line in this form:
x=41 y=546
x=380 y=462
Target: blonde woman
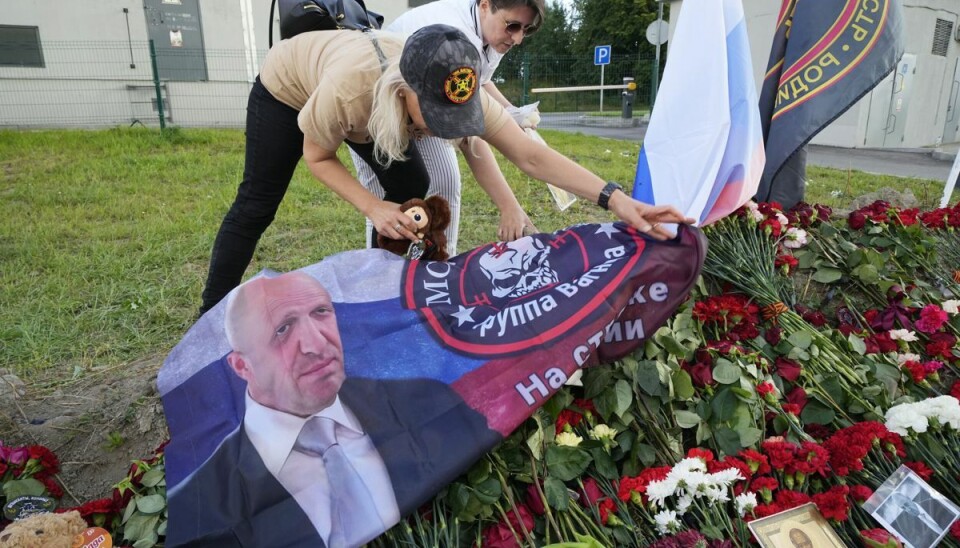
x=494 y=27
x=320 y=89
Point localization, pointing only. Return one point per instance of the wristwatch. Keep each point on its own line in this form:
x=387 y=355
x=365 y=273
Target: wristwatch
x=604 y=199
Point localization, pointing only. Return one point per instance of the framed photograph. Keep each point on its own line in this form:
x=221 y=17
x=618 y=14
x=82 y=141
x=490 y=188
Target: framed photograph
x=800 y=527
x=909 y=508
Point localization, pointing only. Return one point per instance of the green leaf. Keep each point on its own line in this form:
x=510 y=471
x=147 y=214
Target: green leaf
x=562 y=399
x=682 y=385
x=816 y=412
x=583 y=541
x=556 y=492
x=479 y=472
x=724 y=404
x=604 y=463
x=780 y=424
x=826 y=275
x=801 y=339
x=646 y=454
x=151 y=504
x=726 y=372
x=131 y=508
x=614 y=400
x=596 y=380
x=23 y=488
x=857 y=344
x=686 y=419
x=488 y=491
x=566 y=463
x=727 y=440
x=648 y=377
x=672 y=345
x=148 y=541
x=867 y=273
x=152 y=477
x=750 y=436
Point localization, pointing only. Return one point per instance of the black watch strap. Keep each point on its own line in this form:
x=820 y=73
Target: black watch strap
x=604 y=199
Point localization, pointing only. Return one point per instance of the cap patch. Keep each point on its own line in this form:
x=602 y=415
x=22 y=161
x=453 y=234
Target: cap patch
x=460 y=85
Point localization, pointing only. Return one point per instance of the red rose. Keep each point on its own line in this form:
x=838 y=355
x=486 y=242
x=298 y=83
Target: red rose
x=792 y=409
x=500 y=535
x=788 y=370
x=765 y=389
x=856 y=220
x=590 y=493
x=534 y=501
x=700 y=373
x=773 y=335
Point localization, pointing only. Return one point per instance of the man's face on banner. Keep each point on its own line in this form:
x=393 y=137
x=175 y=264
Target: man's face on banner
x=290 y=351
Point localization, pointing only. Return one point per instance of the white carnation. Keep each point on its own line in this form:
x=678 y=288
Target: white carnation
x=907 y=357
x=795 y=238
x=903 y=335
x=951 y=307
x=568 y=439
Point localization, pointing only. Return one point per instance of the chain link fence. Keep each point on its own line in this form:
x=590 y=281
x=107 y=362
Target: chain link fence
x=97 y=85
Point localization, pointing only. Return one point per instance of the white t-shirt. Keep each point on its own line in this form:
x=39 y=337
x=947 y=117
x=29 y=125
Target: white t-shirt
x=462 y=14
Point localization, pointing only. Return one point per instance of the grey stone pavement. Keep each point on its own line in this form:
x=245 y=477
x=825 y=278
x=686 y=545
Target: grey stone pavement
x=933 y=164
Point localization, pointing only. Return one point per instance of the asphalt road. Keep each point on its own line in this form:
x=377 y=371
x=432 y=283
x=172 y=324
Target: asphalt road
x=917 y=163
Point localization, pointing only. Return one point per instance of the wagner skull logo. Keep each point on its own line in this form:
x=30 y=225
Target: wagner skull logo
x=517 y=268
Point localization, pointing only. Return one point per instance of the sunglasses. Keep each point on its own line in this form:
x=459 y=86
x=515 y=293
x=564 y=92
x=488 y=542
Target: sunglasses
x=516 y=26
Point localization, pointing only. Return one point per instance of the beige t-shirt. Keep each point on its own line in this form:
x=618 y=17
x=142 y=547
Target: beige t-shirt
x=329 y=77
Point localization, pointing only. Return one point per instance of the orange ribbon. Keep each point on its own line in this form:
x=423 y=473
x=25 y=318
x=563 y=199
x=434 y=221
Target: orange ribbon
x=771 y=311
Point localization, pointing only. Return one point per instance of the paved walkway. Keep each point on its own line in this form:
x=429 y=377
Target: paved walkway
x=920 y=163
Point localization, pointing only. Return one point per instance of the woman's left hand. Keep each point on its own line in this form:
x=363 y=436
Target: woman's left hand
x=647 y=218
x=514 y=224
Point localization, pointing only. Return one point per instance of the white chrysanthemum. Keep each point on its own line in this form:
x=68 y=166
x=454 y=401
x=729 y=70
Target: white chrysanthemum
x=568 y=439
x=603 y=432
x=907 y=357
x=659 y=491
x=667 y=522
x=951 y=307
x=683 y=504
x=795 y=238
x=727 y=476
x=746 y=502
x=716 y=494
x=693 y=482
x=903 y=335
x=689 y=464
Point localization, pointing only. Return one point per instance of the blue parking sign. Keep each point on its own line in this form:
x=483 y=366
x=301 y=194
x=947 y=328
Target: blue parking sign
x=601 y=55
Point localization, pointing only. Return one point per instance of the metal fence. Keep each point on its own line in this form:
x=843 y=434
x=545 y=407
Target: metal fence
x=96 y=85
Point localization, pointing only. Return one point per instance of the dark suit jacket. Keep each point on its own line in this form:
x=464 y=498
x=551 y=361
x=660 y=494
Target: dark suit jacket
x=424 y=432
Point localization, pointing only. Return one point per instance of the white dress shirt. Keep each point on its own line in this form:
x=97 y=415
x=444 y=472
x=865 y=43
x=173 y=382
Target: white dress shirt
x=462 y=14
x=273 y=434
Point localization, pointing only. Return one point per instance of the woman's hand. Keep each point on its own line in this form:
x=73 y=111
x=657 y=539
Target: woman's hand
x=647 y=218
x=391 y=222
x=514 y=224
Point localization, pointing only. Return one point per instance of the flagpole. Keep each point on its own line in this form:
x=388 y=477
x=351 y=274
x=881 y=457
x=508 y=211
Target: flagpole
x=655 y=81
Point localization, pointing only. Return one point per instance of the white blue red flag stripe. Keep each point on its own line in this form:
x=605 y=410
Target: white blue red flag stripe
x=703 y=151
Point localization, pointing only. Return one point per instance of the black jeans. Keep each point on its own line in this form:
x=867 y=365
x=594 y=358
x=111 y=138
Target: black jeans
x=274 y=146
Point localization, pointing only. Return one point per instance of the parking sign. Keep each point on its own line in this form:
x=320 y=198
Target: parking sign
x=601 y=55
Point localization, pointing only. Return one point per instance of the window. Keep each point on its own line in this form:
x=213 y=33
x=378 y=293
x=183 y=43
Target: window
x=941 y=37
x=20 y=46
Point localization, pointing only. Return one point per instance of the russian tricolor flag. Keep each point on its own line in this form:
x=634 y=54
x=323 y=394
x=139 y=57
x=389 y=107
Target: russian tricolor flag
x=703 y=151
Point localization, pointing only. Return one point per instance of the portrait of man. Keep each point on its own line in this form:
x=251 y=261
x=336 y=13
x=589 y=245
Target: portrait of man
x=915 y=514
x=320 y=459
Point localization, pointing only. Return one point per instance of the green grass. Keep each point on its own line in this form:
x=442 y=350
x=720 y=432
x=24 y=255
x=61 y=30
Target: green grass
x=105 y=235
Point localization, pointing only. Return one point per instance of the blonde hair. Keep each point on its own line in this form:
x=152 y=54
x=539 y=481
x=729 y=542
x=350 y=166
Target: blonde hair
x=388 y=118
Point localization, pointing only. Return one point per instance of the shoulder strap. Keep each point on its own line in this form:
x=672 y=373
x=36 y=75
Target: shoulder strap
x=376 y=46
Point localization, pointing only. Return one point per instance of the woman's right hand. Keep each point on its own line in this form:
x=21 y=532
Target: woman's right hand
x=645 y=217
x=391 y=222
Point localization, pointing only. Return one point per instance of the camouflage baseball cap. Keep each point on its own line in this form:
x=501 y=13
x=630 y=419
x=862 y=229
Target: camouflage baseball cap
x=442 y=67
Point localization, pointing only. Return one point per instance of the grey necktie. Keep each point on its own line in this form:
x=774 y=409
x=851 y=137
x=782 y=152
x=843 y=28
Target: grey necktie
x=352 y=509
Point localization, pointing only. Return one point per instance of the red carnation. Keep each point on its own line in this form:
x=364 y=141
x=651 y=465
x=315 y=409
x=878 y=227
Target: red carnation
x=920 y=469
x=954 y=391
x=833 y=504
x=638 y=484
x=879 y=538
x=758 y=462
x=703 y=454
x=607 y=508
x=932 y=318
x=773 y=335
x=791 y=499
x=860 y=493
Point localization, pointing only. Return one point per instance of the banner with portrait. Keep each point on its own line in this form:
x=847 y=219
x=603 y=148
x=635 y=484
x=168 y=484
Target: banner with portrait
x=442 y=360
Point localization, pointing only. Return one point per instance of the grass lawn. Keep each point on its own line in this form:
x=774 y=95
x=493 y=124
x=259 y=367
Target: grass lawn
x=105 y=235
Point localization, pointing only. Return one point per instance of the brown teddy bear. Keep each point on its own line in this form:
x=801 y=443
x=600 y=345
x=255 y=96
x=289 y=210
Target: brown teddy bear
x=44 y=530
x=431 y=216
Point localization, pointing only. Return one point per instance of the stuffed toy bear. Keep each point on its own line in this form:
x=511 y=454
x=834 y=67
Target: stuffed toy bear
x=431 y=216
x=44 y=530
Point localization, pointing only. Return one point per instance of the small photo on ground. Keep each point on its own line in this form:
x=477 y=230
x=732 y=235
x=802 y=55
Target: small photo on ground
x=800 y=527
x=912 y=510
